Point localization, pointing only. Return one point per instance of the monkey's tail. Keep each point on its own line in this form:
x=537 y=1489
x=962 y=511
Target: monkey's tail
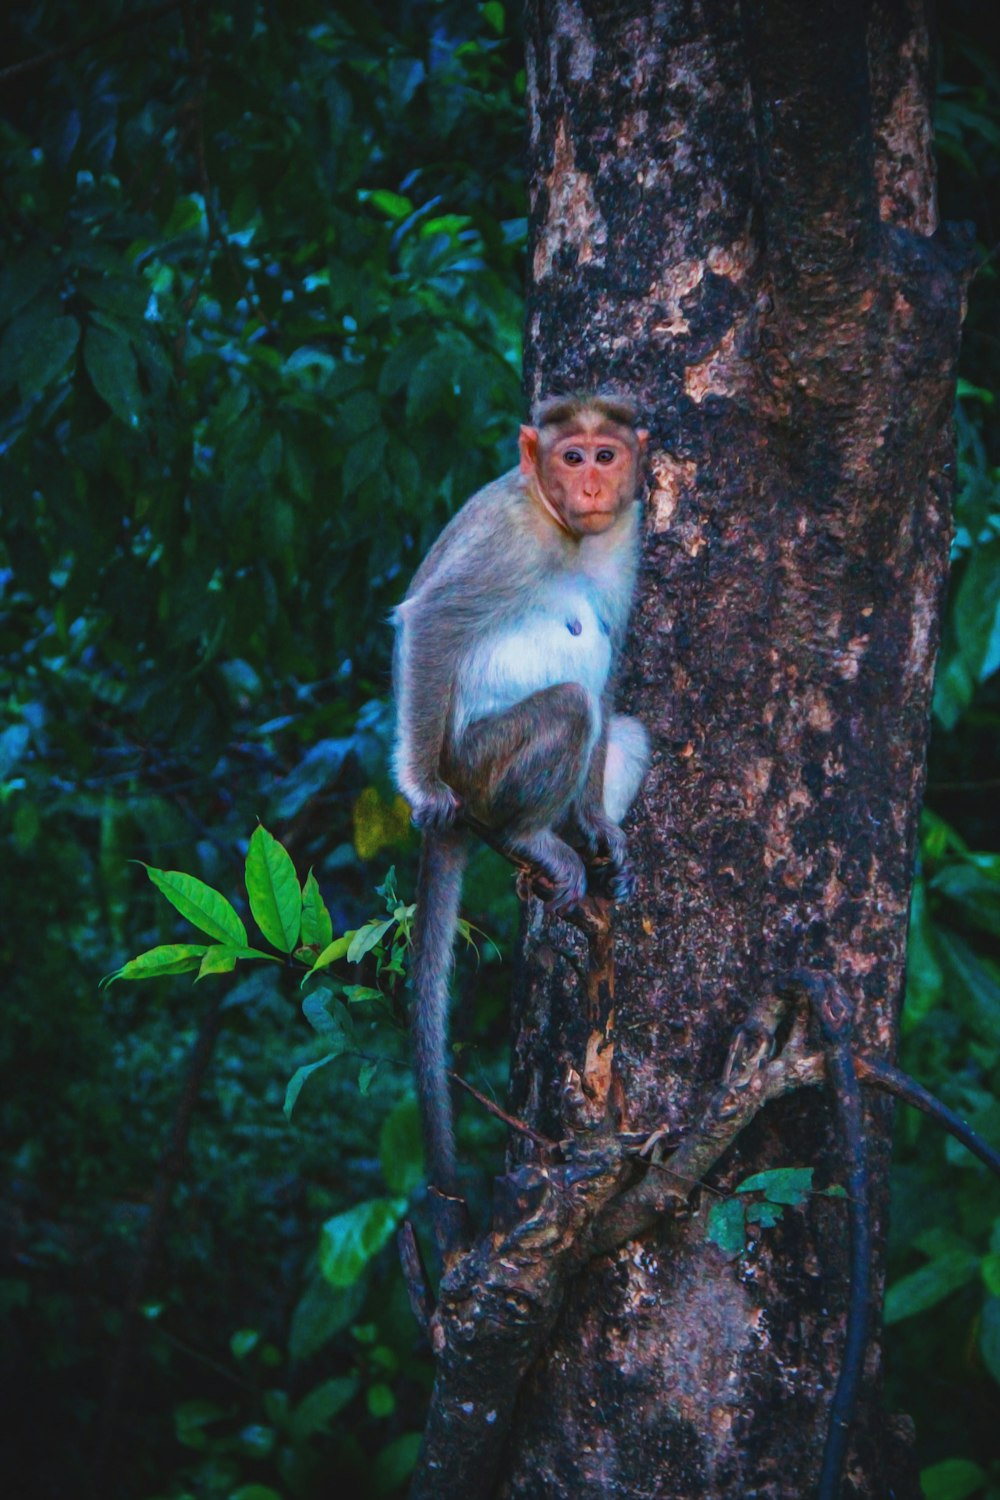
x=439 y=888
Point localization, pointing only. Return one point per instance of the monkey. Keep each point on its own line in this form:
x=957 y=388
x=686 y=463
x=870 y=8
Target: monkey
x=504 y=652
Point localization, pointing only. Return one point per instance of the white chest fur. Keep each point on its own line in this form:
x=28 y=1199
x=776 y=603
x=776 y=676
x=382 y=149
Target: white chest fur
x=564 y=640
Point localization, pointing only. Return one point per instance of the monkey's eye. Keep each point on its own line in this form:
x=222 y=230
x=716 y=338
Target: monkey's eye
x=606 y=455
x=573 y=456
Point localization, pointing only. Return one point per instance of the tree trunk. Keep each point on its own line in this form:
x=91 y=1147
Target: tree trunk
x=732 y=219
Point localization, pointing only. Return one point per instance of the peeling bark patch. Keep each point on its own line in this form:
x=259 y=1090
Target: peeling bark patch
x=672 y=479
x=904 y=164
x=718 y=375
x=573 y=219
x=596 y=1080
x=678 y=282
x=574 y=30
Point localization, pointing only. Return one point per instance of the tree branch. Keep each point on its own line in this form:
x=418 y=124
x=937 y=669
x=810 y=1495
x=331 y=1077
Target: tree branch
x=892 y=1080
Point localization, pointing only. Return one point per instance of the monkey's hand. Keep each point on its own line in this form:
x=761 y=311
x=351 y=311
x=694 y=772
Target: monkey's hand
x=436 y=806
x=608 y=845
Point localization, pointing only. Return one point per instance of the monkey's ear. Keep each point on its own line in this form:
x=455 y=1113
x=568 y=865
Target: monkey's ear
x=527 y=442
x=642 y=438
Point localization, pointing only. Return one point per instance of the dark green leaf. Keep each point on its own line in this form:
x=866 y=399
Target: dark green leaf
x=401 y=1149
x=989 y=1336
x=110 y=361
x=395 y=1462
x=298 y=1080
x=322 y=1312
x=786 y=1185
x=726 y=1226
x=37 y=345
x=929 y=1285
x=364 y=458
x=953 y=1479
x=316 y=1411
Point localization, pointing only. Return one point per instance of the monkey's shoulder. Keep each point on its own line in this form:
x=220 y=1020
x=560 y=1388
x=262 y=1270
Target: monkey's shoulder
x=486 y=535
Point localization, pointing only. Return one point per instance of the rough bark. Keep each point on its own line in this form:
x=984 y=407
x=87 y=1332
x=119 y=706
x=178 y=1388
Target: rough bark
x=733 y=219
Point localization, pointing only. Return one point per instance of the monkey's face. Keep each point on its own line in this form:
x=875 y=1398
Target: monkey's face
x=587 y=477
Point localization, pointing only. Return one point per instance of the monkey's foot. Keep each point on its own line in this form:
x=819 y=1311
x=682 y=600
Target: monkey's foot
x=437 y=808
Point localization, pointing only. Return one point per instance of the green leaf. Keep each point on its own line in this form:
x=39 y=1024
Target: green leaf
x=493 y=15
x=726 y=1226
x=317 y=926
x=393 y=205
x=431 y=384
x=395 y=1462
x=217 y=960
x=974 y=885
x=329 y=1023
x=366 y=1073
x=244 y=1342
x=37 y=346
x=366 y=938
x=953 y=1479
x=190 y=1420
x=110 y=361
x=765 y=1215
x=380 y=1400
x=929 y=1285
x=971 y=983
x=273 y=889
x=351 y=1239
x=976 y=611
x=322 y=1311
x=924 y=980
x=399 y=364
x=401 y=1149
x=334 y=951
x=785 y=1185
x=990 y=1271
x=353 y=993
x=364 y=458
x=989 y=1336
x=254 y=1492
x=316 y=1411
x=22 y=280
x=202 y=906
x=298 y=1080
x=155 y=963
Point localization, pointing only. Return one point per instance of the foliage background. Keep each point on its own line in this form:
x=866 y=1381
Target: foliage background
x=260 y=311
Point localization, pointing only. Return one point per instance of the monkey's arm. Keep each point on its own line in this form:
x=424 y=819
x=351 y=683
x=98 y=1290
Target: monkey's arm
x=424 y=675
x=471 y=580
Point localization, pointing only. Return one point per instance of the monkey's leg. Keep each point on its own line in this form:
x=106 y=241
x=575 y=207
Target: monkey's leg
x=520 y=771
x=616 y=769
x=625 y=765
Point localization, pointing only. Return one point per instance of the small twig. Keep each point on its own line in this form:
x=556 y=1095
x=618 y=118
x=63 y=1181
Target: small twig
x=70 y=49
x=501 y=1114
x=894 y=1081
x=415 y=1276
